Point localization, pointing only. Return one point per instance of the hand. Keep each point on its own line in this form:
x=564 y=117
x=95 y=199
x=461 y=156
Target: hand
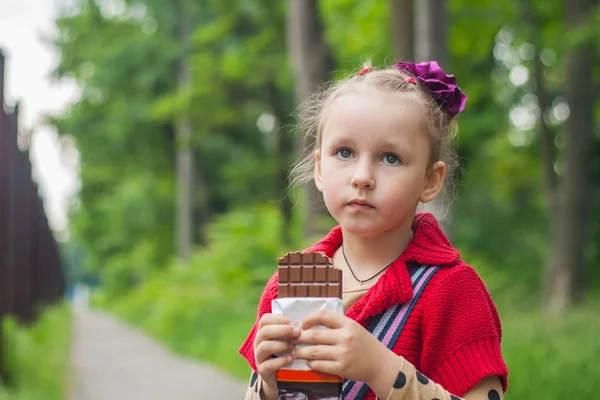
x=272 y=338
x=346 y=349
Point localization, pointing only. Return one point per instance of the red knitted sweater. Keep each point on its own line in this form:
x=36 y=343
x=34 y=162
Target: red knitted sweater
x=453 y=333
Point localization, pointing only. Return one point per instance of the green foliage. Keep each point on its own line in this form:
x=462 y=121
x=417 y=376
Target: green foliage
x=357 y=32
x=38 y=356
x=126 y=168
x=505 y=212
x=124 y=122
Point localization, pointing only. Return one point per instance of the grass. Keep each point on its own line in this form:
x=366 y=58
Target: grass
x=552 y=358
x=37 y=356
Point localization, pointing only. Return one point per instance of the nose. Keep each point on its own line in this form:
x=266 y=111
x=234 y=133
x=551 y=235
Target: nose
x=363 y=177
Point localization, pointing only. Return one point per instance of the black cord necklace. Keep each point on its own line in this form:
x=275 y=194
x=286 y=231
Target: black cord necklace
x=360 y=282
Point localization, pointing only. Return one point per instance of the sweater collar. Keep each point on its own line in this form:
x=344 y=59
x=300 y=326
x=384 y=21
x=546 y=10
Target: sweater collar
x=429 y=246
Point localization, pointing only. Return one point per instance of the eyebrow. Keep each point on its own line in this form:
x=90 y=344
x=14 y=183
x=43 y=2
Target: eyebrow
x=396 y=146
x=338 y=140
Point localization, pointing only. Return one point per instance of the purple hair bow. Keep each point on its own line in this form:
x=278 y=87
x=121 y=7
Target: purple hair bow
x=442 y=86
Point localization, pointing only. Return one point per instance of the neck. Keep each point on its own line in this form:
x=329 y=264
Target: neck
x=370 y=254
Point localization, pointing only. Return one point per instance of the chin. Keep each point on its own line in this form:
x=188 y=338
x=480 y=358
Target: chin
x=363 y=230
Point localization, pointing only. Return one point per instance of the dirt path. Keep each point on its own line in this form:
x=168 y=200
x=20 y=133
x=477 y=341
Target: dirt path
x=111 y=361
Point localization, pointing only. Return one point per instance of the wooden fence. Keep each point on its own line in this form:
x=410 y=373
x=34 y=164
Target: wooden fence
x=31 y=275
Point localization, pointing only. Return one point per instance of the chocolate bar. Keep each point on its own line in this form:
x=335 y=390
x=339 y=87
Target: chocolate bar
x=308 y=274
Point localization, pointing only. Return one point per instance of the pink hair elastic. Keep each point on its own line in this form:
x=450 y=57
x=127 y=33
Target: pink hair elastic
x=410 y=79
x=365 y=70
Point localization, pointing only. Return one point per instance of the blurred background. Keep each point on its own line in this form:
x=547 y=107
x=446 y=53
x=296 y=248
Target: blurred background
x=145 y=146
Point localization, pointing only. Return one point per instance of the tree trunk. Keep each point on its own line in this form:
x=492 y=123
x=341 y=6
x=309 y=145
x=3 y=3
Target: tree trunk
x=431 y=31
x=547 y=139
x=431 y=45
x=283 y=153
x=312 y=62
x=567 y=258
x=184 y=150
x=403 y=29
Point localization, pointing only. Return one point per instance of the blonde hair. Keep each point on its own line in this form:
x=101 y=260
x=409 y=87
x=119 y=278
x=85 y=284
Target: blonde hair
x=441 y=128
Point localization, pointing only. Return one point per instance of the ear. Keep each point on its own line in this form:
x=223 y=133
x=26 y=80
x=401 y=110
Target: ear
x=317 y=174
x=434 y=182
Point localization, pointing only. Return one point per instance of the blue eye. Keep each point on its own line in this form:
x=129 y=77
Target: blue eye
x=343 y=154
x=391 y=159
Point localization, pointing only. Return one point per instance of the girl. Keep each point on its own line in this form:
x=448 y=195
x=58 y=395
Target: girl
x=382 y=146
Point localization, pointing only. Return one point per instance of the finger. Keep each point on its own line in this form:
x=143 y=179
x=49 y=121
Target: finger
x=317 y=336
x=271 y=365
x=266 y=349
x=326 y=318
x=325 y=366
x=316 y=352
x=275 y=332
x=270 y=319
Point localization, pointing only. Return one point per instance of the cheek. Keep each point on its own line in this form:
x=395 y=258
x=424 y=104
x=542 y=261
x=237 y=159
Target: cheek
x=329 y=172
x=332 y=182
x=402 y=187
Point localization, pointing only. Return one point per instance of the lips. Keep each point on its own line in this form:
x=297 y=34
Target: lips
x=360 y=203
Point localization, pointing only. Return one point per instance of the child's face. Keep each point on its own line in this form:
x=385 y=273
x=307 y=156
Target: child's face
x=375 y=149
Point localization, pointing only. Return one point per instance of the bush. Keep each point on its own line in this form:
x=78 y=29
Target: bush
x=205 y=310
x=37 y=356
